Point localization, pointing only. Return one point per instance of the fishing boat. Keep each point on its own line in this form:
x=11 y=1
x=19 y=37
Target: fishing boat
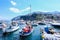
x=22 y=33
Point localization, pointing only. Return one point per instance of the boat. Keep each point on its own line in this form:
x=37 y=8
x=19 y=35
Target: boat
x=26 y=34
x=21 y=33
x=1 y=30
x=41 y=23
x=55 y=24
x=52 y=35
x=12 y=27
x=8 y=30
x=34 y=24
x=46 y=36
x=21 y=22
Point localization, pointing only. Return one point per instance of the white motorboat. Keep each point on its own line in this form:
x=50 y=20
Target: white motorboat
x=12 y=29
x=55 y=24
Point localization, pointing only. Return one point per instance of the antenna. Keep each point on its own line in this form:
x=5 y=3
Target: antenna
x=30 y=5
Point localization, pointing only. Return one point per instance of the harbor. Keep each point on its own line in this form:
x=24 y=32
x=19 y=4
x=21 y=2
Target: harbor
x=29 y=19
x=35 y=35
x=16 y=32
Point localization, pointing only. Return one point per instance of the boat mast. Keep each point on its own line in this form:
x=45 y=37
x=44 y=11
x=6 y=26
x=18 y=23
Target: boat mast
x=29 y=4
x=30 y=7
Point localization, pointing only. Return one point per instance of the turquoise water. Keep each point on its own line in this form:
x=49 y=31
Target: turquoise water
x=15 y=35
x=36 y=35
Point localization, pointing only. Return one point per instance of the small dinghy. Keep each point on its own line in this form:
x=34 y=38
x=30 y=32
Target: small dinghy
x=25 y=31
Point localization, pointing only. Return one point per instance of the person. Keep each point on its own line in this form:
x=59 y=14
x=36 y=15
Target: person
x=51 y=30
x=27 y=29
x=14 y=23
x=4 y=27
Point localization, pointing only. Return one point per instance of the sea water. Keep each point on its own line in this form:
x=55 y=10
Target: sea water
x=36 y=34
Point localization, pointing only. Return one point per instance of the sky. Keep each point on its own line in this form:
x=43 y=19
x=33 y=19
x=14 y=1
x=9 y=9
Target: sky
x=12 y=8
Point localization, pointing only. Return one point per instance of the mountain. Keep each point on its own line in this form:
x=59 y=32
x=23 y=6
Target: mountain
x=37 y=15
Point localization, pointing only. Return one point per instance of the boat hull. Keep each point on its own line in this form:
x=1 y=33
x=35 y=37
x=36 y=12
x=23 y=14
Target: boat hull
x=34 y=25
x=12 y=30
x=27 y=33
x=55 y=25
x=41 y=23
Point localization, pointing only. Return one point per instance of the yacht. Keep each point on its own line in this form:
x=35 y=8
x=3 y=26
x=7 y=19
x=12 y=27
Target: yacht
x=55 y=24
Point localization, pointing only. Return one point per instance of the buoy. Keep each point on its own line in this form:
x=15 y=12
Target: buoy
x=43 y=36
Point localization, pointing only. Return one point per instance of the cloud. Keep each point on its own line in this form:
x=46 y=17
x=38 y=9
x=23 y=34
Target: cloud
x=13 y=3
x=16 y=10
x=26 y=9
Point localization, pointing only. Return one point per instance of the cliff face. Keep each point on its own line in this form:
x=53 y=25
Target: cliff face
x=39 y=16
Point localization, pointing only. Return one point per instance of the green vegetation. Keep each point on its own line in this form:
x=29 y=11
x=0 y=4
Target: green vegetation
x=39 y=17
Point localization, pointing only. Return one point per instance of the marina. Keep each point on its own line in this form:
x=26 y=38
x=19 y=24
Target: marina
x=29 y=19
x=35 y=35
x=17 y=33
